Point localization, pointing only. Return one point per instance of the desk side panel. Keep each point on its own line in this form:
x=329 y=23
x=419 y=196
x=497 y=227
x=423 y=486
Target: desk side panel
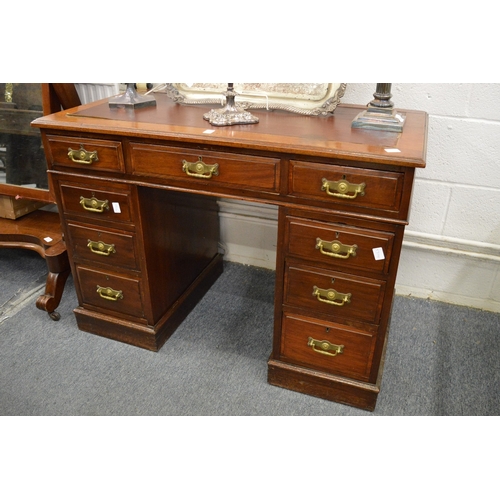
x=180 y=234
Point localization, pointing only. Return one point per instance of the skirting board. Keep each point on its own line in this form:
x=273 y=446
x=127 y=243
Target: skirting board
x=449 y=270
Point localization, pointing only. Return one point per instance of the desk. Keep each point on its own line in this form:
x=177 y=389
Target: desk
x=137 y=194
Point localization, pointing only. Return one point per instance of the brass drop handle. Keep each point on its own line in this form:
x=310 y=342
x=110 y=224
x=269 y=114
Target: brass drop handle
x=342 y=188
x=82 y=156
x=93 y=204
x=200 y=169
x=325 y=347
x=336 y=249
x=101 y=248
x=331 y=296
x=109 y=294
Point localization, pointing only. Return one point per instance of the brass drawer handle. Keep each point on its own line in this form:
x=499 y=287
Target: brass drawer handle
x=336 y=249
x=331 y=296
x=343 y=188
x=200 y=169
x=82 y=156
x=101 y=248
x=93 y=204
x=325 y=347
x=109 y=294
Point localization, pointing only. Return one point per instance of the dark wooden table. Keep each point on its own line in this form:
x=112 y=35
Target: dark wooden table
x=40 y=231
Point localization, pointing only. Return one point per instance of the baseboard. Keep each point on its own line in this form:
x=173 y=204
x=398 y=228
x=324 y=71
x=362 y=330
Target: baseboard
x=449 y=298
x=249 y=233
x=460 y=272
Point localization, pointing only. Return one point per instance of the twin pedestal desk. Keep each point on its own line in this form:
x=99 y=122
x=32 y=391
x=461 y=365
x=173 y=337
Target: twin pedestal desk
x=137 y=194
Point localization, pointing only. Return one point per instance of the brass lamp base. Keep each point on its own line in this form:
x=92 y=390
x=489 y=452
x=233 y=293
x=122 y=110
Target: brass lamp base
x=231 y=114
x=131 y=99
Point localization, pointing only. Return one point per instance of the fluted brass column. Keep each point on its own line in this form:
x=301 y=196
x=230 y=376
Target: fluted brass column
x=8 y=95
x=382 y=97
x=8 y=92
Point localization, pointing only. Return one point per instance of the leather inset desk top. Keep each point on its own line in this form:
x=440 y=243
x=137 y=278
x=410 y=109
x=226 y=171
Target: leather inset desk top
x=318 y=133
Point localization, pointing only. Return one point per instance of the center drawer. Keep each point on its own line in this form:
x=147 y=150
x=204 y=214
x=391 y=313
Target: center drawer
x=241 y=171
x=335 y=294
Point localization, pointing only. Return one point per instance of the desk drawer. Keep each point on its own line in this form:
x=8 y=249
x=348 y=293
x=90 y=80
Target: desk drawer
x=101 y=246
x=339 y=295
x=96 y=204
x=339 y=244
x=110 y=291
x=93 y=154
x=347 y=186
x=327 y=346
x=198 y=166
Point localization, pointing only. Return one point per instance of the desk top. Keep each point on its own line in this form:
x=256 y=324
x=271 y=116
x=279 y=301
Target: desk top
x=277 y=131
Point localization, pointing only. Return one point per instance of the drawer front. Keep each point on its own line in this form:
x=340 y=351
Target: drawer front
x=110 y=292
x=347 y=186
x=243 y=172
x=327 y=346
x=93 y=154
x=339 y=244
x=100 y=246
x=96 y=204
x=340 y=295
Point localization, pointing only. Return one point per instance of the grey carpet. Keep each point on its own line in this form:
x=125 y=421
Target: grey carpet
x=441 y=359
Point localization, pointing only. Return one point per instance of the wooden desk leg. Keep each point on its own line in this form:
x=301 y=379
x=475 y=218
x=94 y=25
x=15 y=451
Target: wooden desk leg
x=59 y=270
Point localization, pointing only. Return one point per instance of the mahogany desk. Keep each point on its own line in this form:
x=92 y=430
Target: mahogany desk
x=137 y=194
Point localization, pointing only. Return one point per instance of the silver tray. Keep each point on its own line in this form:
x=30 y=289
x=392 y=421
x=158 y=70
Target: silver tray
x=304 y=98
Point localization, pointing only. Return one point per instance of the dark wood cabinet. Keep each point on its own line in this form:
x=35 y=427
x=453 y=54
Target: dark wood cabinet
x=137 y=193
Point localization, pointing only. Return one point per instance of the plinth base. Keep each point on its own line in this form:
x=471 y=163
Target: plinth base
x=318 y=384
